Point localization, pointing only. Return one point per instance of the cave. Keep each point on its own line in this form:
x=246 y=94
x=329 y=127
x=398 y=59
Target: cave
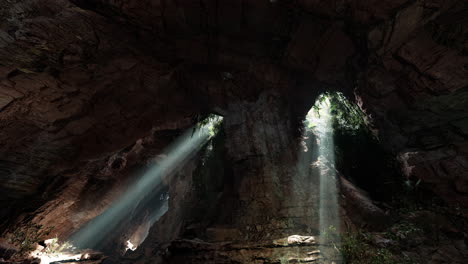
x=234 y=131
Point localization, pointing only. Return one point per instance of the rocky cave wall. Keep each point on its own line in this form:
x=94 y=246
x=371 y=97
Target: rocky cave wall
x=415 y=91
x=90 y=90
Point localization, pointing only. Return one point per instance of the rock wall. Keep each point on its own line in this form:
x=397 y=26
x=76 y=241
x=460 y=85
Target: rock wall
x=259 y=186
x=91 y=95
x=89 y=87
x=415 y=91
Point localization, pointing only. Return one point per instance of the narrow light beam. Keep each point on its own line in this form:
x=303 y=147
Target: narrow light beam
x=329 y=220
x=93 y=234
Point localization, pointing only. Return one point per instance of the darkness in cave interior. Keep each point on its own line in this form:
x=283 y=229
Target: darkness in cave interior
x=234 y=131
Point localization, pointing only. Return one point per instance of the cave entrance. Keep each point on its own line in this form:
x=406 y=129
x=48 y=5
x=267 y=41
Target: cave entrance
x=318 y=136
x=125 y=224
x=345 y=141
x=337 y=143
x=357 y=152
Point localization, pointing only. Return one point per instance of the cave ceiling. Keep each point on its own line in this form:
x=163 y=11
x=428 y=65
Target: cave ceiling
x=83 y=79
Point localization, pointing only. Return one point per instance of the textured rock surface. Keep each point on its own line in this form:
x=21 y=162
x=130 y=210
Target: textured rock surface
x=255 y=214
x=89 y=88
x=415 y=90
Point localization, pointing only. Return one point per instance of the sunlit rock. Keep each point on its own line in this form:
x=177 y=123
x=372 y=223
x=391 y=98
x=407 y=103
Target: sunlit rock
x=54 y=251
x=295 y=240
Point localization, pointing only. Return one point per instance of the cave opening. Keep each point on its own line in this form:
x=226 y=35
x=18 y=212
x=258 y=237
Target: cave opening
x=319 y=125
x=355 y=149
x=343 y=139
x=131 y=215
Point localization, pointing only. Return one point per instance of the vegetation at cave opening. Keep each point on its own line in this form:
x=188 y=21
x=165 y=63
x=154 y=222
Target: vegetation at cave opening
x=347 y=116
x=213 y=122
x=360 y=158
x=358 y=247
x=27 y=237
x=358 y=153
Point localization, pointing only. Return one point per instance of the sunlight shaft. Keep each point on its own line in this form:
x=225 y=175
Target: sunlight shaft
x=176 y=155
x=320 y=120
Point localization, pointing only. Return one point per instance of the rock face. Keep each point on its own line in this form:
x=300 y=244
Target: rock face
x=256 y=214
x=414 y=89
x=91 y=90
x=82 y=105
x=259 y=142
x=295 y=249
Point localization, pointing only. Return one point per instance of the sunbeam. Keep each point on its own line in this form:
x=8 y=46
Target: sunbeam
x=93 y=234
x=320 y=119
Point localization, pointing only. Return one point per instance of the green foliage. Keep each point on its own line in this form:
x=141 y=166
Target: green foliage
x=54 y=247
x=383 y=255
x=356 y=248
x=347 y=116
x=211 y=122
x=359 y=247
x=353 y=136
x=330 y=233
x=403 y=230
x=26 y=237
